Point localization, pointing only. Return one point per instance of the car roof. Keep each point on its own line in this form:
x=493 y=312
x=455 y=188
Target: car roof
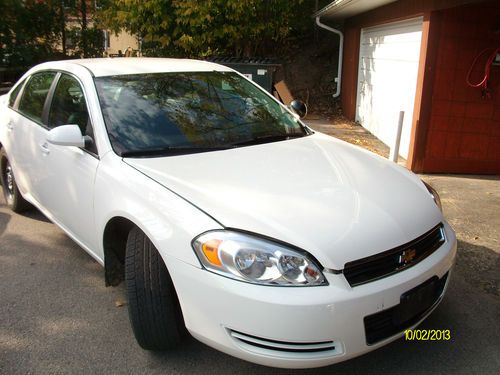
x=101 y=67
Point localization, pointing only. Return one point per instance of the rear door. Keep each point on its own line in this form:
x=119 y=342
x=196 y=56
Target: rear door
x=28 y=134
x=9 y=117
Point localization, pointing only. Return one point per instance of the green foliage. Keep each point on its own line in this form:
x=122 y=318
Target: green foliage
x=201 y=28
x=28 y=31
x=87 y=42
x=95 y=42
x=31 y=31
x=153 y=20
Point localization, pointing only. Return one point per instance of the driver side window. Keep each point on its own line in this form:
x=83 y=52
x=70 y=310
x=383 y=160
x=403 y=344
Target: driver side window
x=68 y=107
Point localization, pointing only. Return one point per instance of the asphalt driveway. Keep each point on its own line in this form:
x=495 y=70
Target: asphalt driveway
x=56 y=315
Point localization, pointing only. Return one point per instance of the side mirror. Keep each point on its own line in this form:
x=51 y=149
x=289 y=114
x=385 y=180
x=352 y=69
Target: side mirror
x=66 y=135
x=299 y=107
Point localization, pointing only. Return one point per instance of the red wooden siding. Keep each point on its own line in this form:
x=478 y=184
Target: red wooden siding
x=464 y=130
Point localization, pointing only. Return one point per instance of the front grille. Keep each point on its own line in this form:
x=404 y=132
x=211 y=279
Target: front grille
x=249 y=341
x=395 y=260
x=388 y=322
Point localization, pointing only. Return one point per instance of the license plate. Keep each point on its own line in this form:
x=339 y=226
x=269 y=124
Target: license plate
x=416 y=301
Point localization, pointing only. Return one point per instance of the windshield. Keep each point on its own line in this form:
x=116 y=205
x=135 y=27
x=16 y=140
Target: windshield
x=192 y=111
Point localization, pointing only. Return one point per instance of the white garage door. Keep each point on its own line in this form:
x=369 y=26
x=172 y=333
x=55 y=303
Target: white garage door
x=387 y=78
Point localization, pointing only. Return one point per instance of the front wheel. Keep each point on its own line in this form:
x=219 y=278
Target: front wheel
x=153 y=306
x=12 y=195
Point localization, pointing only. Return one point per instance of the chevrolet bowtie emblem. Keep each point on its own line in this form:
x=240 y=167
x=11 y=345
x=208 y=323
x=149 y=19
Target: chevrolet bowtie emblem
x=407 y=256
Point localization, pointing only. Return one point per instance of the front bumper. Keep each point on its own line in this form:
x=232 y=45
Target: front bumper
x=296 y=327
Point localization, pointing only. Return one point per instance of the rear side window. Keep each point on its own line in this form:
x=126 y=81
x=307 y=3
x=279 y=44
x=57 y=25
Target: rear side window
x=34 y=95
x=15 y=93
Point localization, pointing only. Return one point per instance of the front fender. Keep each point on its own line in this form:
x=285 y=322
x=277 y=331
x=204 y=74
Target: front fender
x=168 y=220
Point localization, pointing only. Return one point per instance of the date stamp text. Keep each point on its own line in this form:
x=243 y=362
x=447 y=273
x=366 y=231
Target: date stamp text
x=428 y=334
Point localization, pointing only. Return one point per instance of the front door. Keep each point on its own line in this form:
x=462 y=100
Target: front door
x=68 y=188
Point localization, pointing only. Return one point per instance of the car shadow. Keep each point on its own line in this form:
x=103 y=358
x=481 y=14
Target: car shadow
x=32 y=212
x=35 y=214
x=479 y=266
x=4 y=221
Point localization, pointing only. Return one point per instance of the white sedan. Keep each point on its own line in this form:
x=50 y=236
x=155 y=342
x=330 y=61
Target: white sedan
x=226 y=216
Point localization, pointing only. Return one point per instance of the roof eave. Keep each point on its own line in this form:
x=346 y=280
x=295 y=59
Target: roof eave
x=342 y=9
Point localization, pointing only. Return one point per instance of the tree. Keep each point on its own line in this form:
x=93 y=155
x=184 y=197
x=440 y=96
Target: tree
x=153 y=20
x=87 y=38
x=248 y=28
x=29 y=31
x=200 y=28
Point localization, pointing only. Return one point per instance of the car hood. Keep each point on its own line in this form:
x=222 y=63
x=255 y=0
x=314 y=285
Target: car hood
x=336 y=201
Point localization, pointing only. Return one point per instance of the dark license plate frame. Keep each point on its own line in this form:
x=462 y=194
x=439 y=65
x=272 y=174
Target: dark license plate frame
x=416 y=301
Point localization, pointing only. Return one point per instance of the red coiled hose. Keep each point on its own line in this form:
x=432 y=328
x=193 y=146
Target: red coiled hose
x=483 y=84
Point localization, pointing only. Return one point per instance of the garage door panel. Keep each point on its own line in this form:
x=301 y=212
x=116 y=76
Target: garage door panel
x=392 y=30
x=387 y=76
x=401 y=40
x=403 y=53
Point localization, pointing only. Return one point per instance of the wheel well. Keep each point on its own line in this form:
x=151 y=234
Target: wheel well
x=115 y=244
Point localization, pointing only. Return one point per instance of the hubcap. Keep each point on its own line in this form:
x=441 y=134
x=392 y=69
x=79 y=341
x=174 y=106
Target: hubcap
x=9 y=177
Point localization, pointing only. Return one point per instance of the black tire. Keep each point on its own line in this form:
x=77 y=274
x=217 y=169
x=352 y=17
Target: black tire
x=153 y=306
x=13 y=197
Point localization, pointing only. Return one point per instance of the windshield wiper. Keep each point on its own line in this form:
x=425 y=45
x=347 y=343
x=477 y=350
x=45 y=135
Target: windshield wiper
x=169 y=150
x=268 y=138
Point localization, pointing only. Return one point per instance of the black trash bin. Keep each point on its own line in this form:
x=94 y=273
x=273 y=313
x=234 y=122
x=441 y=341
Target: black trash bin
x=259 y=70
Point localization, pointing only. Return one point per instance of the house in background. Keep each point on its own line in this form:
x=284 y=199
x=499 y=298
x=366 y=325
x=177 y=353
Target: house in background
x=415 y=56
x=114 y=43
x=78 y=13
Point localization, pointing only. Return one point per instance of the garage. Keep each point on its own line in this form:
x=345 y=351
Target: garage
x=387 y=77
x=416 y=56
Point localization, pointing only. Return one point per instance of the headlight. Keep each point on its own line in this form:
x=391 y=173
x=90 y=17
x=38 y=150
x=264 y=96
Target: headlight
x=434 y=195
x=255 y=260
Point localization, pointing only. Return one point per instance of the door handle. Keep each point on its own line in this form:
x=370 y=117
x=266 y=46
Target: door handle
x=10 y=125
x=45 y=148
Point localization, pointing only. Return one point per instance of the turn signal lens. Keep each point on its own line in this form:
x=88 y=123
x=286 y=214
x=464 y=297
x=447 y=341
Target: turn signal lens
x=211 y=251
x=255 y=260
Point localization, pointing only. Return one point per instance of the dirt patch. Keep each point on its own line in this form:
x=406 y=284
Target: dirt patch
x=309 y=70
